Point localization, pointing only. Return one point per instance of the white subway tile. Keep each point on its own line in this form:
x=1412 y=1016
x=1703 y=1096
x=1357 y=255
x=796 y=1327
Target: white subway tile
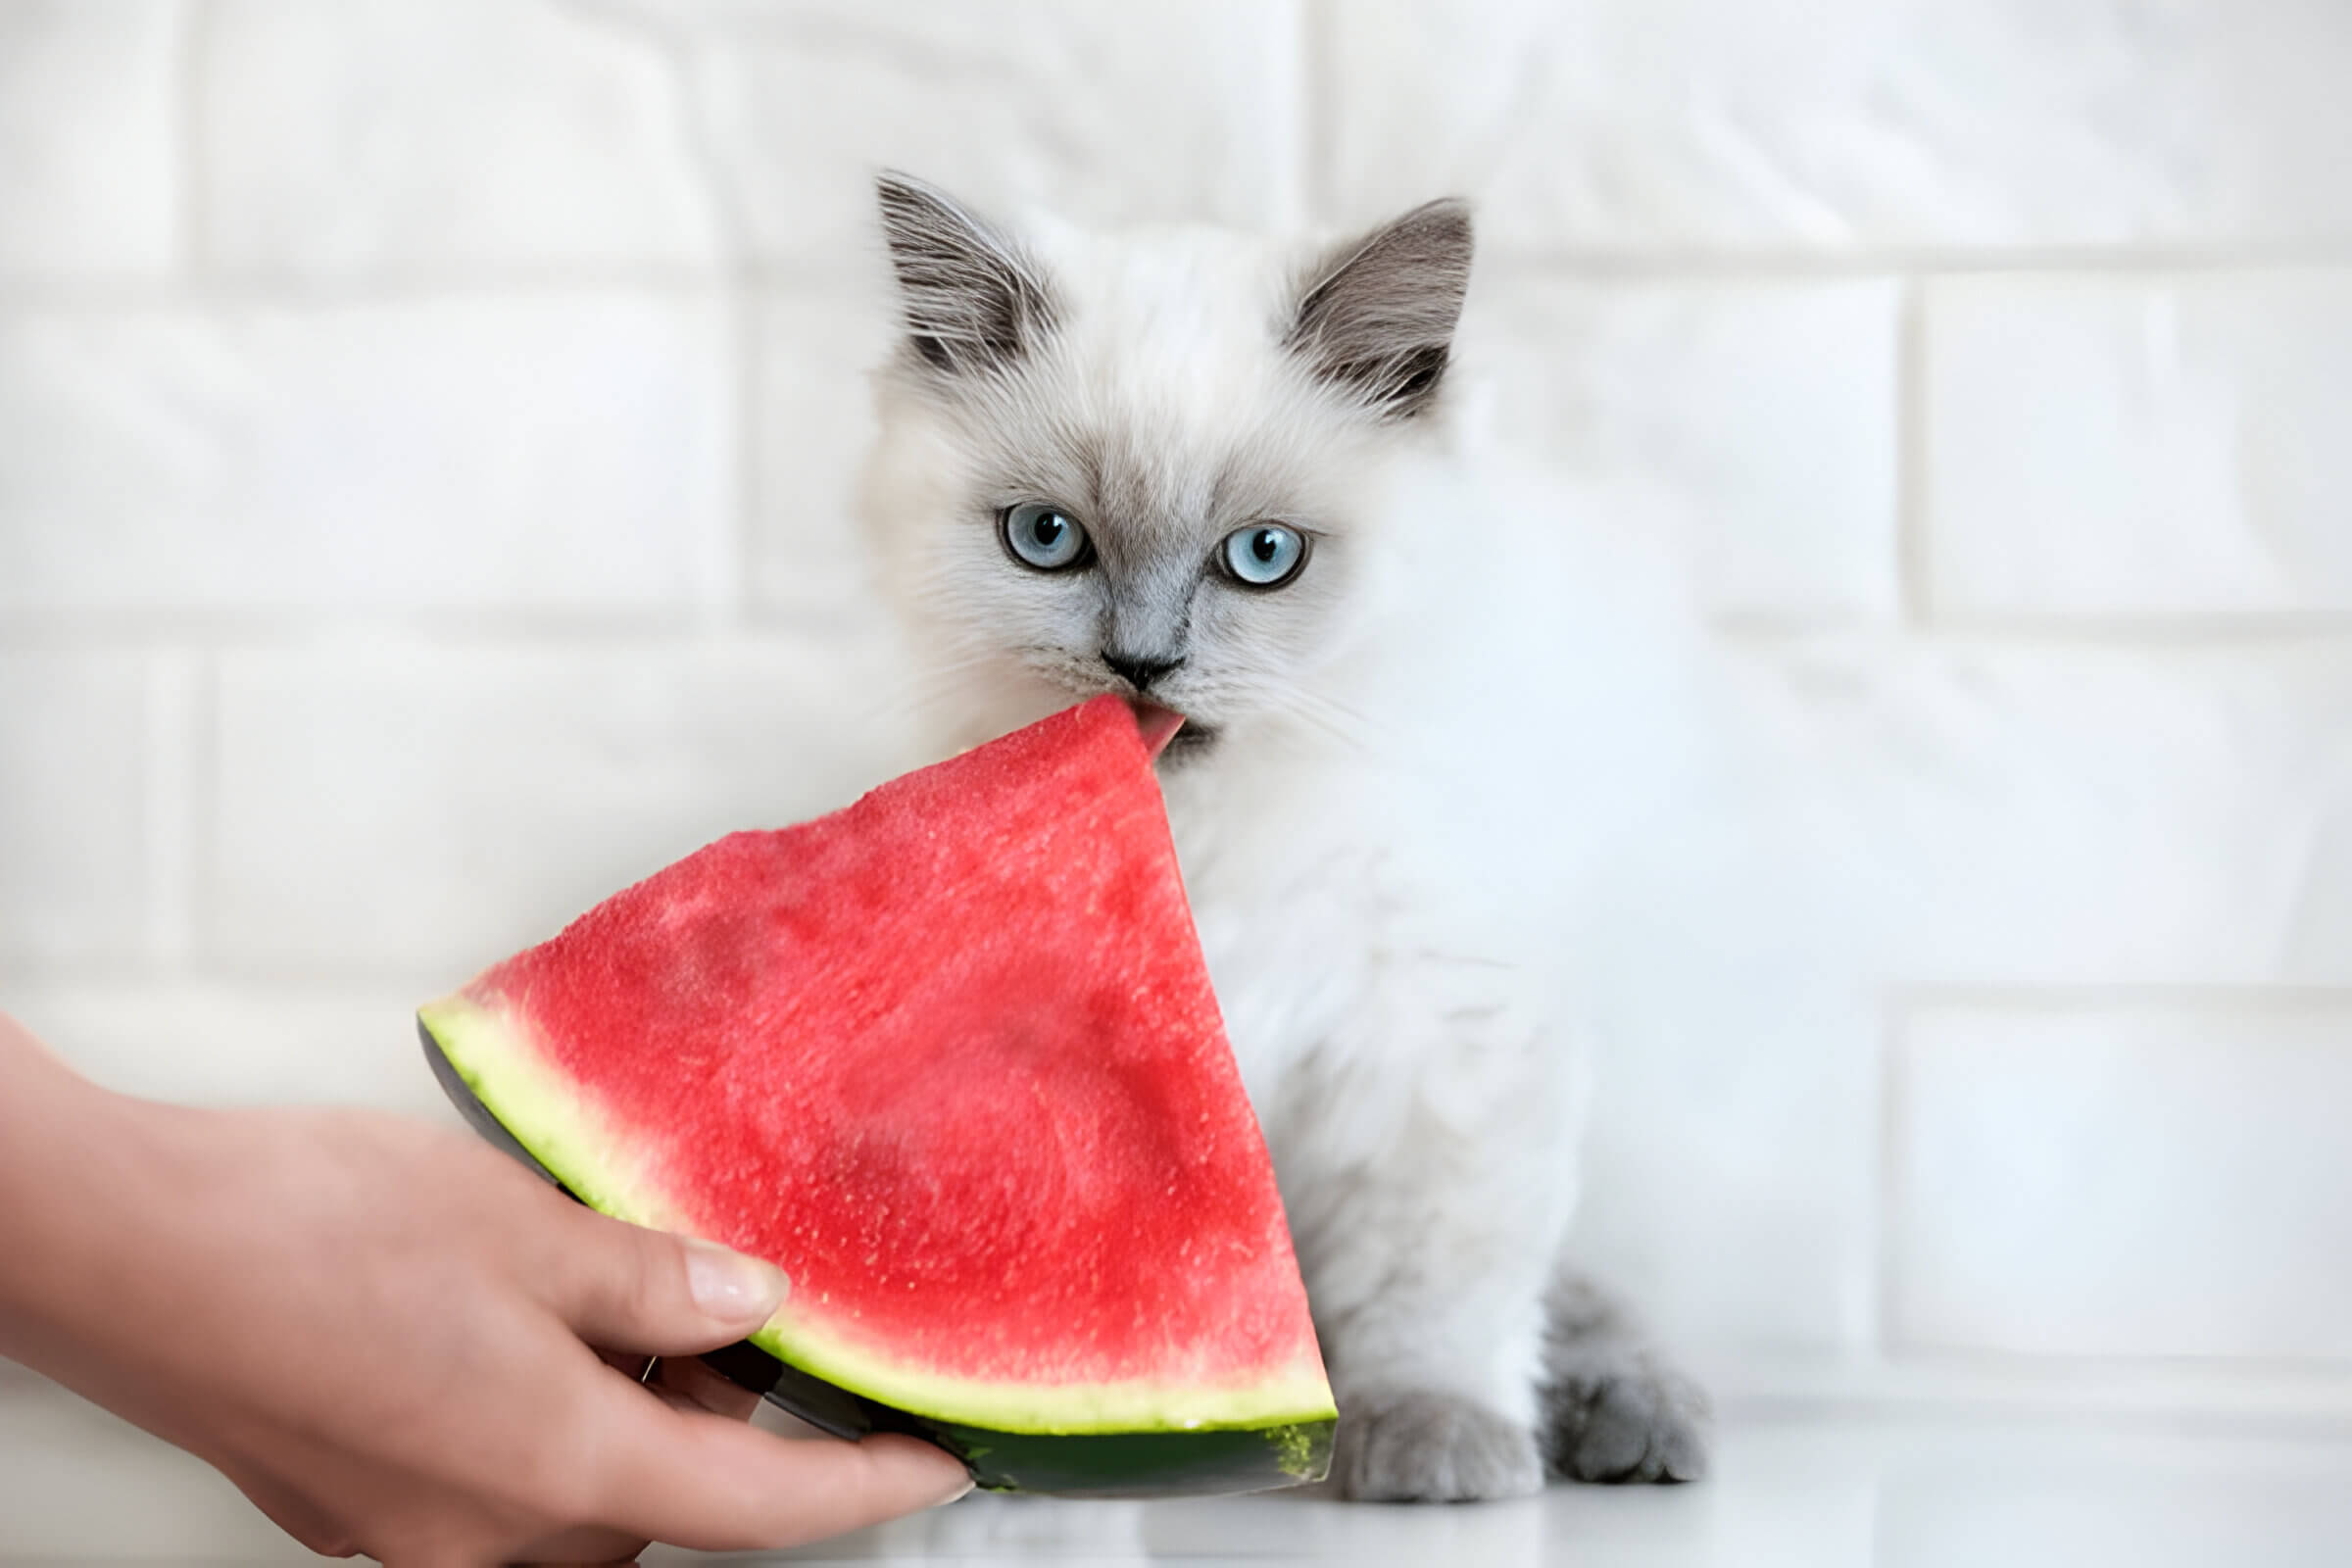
x=569 y=450
x=2123 y=1181
x=1870 y=816
x=416 y=813
x=2059 y=814
x=74 y=828
x=88 y=171
x=211 y=1043
x=1153 y=109
x=1848 y=124
x=391 y=136
x=1727 y=1166
x=813 y=422
x=2135 y=446
x=1755 y=419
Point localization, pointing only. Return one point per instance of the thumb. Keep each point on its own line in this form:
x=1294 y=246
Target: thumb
x=625 y=1288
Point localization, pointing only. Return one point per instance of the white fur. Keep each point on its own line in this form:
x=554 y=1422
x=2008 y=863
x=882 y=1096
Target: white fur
x=1391 y=843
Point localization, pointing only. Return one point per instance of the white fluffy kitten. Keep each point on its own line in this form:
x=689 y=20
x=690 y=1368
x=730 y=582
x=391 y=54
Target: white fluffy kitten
x=1234 y=480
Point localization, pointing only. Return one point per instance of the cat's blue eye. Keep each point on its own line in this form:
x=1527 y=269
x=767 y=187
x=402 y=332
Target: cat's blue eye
x=1042 y=535
x=1264 y=555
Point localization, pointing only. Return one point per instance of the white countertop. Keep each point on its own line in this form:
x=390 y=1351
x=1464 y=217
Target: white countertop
x=1811 y=1489
x=1835 y=1491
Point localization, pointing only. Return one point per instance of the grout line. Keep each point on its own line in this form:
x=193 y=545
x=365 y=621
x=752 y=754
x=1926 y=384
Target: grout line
x=314 y=291
x=23 y=975
x=174 y=745
x=1670 y=264
x=328 y=628
x=2324 y=1411
x=2177 y=997
x=2184 y=630
x=1892 y=1100
x=2181 y=634
x=295 y=289
x=1913 y=579
x=190 y=212
x=1314 y=152
x=2230 y=1371
x=737 y=569
x=296 y=984
x=200 y=810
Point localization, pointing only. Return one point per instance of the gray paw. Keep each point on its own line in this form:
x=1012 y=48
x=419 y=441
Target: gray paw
x=1431 y=1447
x=1616 y=1413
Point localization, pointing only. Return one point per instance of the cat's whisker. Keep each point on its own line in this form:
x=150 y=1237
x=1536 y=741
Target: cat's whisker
x=933 y=683
x=1331 y=720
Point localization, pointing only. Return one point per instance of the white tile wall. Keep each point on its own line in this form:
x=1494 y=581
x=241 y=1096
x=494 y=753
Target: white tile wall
x=90 y=152
x=1756 y=418
x=2123 y=1180
x=215 y=1041
x=1851 y=125
x=73 y=828
x=1902 y=811
x=426 y=431
x=1997 y=813
x=412 y=811
x=559 y=449
x=435 y=139
x=810 y=351
x=1153 y=111
x=2167 y=446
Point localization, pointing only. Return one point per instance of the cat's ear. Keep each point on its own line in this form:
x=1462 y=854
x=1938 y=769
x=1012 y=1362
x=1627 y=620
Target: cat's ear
x=971 y=300
x=1375 y=318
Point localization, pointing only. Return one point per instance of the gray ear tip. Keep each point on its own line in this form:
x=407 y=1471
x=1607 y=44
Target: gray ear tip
x=896 y=186
x=1450 y=215
x=898 y=192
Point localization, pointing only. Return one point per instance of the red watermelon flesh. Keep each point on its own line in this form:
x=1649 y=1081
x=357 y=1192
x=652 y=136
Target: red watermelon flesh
x=950 y=1058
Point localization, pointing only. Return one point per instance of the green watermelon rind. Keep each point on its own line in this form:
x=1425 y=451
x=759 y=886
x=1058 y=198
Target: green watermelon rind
x=566 y=1135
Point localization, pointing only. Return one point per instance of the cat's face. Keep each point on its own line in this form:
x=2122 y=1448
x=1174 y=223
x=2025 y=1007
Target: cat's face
x=1136 y=466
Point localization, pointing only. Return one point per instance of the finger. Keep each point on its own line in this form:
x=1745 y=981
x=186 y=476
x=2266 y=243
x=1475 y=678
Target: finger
x=629 y=1289
x=591 y=1546
x=629 y=1363
x=712 y=1484
x=688 y=1384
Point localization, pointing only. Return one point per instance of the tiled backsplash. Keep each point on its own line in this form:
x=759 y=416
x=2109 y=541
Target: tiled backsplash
x=426 y=431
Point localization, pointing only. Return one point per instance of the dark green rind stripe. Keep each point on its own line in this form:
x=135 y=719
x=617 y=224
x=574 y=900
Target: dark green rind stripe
x=1105 y=1464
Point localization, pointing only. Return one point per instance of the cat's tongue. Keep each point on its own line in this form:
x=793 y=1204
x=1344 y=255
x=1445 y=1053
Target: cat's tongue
x=1158 y=724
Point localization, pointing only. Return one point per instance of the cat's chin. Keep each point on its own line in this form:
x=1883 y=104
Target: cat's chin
x=1188 y=745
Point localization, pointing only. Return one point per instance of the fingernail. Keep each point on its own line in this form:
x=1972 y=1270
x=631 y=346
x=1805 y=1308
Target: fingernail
x=963 y=1490
x=731 y=1287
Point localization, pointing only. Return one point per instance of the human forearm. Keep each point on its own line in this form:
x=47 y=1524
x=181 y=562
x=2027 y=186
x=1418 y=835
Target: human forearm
x=381 y=1333
x=66 y=1146
x=88 y=1180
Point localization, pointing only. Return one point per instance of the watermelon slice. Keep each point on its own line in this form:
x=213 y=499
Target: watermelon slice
x=950 y=1058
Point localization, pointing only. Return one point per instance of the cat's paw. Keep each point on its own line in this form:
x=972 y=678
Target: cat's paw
x=1622 y=1415
x=1431 y=1447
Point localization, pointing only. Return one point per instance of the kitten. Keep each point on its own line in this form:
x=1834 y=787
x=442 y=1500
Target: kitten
x=1235 y=482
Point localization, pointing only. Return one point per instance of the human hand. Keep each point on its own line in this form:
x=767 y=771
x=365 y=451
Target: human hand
x=381 y=1333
